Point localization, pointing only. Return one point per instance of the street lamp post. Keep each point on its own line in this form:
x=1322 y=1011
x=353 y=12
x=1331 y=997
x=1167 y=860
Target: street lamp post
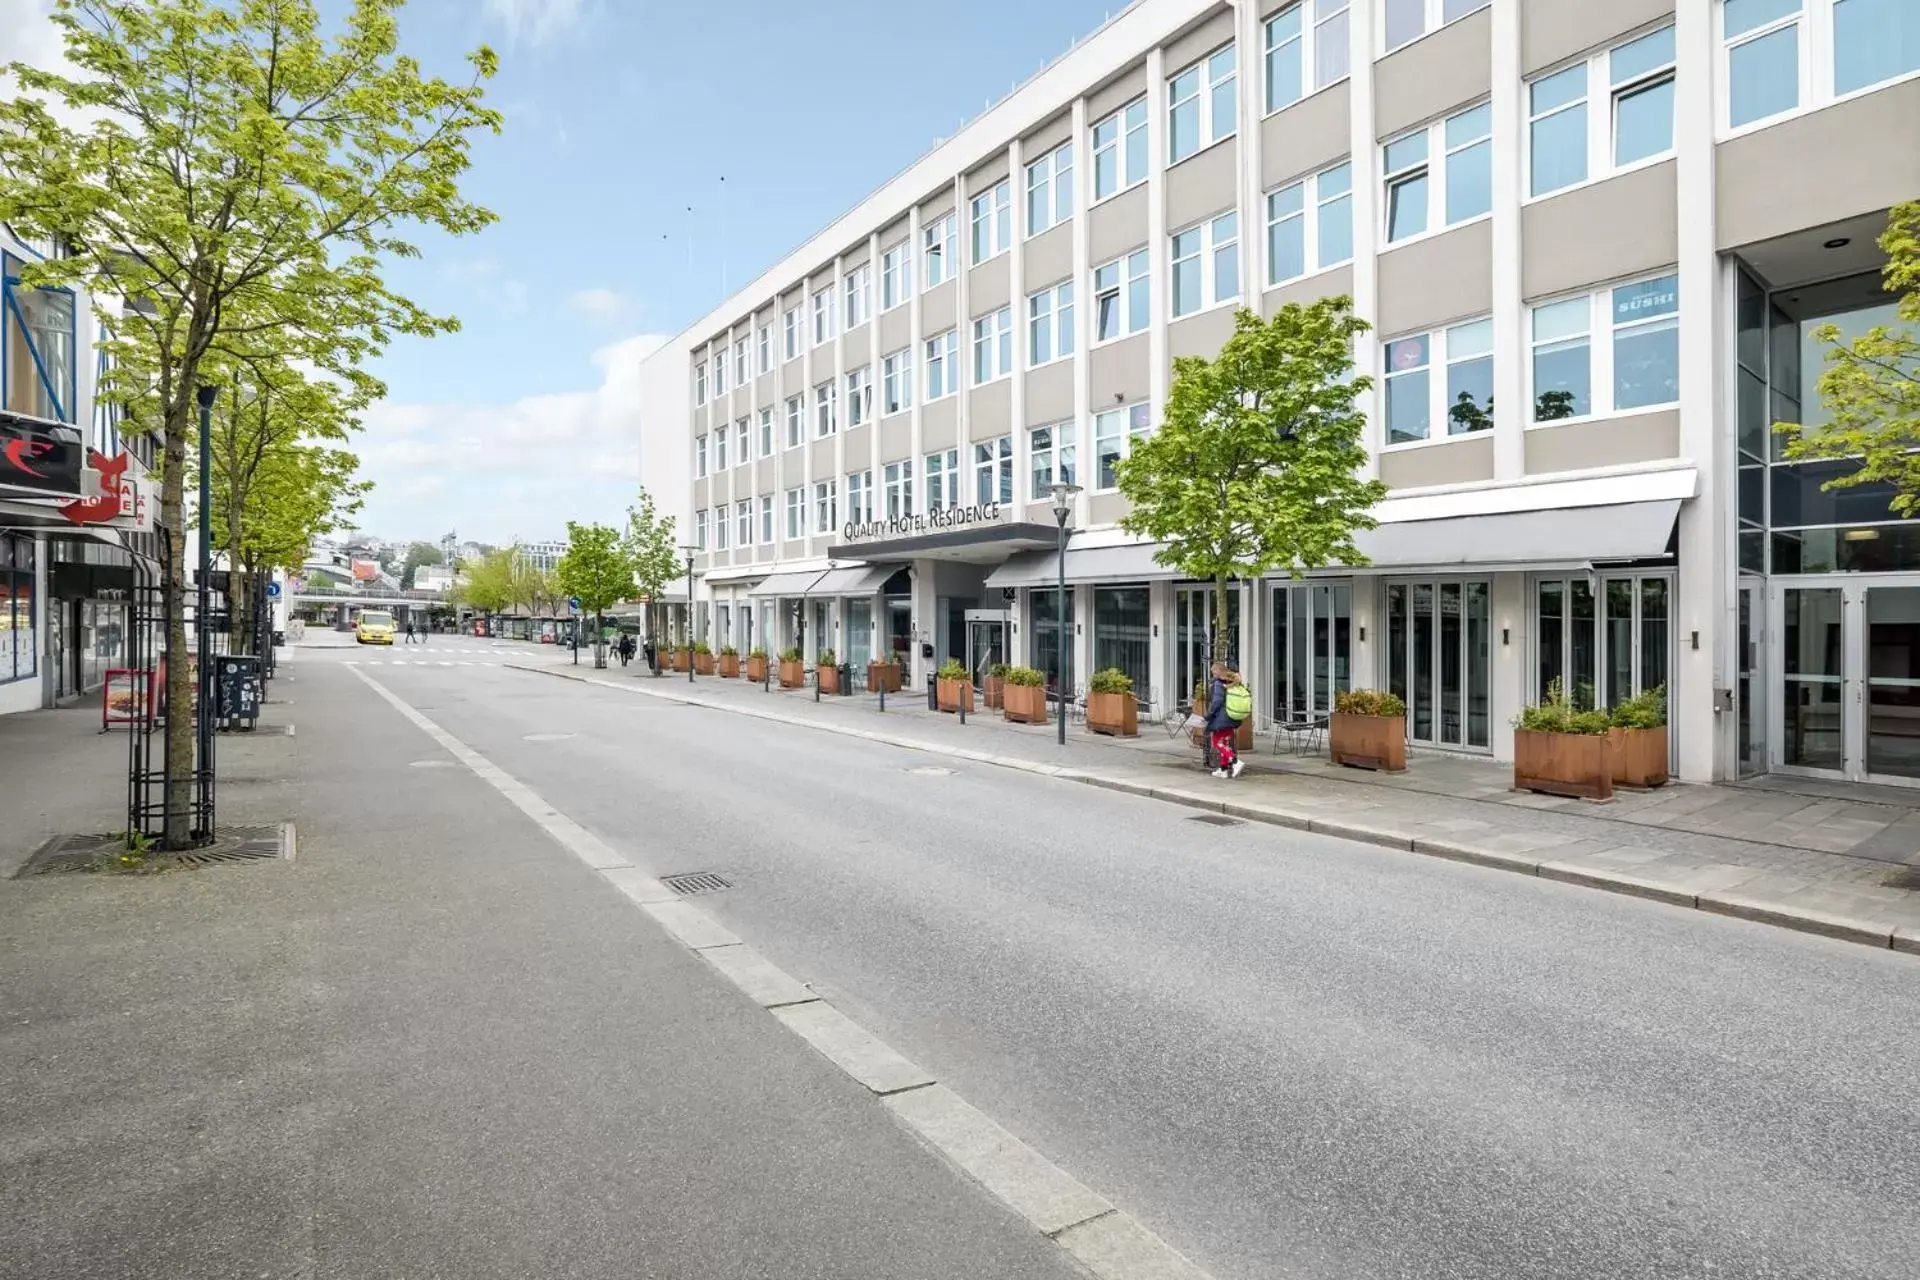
x=1062 y=509
x=687 y=550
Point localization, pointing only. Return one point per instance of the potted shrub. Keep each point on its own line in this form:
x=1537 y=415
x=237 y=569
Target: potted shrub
x=1563 y=751
x=1368 y=730
x=954 y=690
x=826 y=672
x=729 y=662
x=702 y=658
x=756 y=664
x=883 y=674
x=1111 y=707
x=793 y=671
x=682 y=658
x=1023 y=695
x=1639 y=734
x=996 y=686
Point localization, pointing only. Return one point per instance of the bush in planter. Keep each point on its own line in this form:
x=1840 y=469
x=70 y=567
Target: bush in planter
x=1368 y=730
x=758 y=651
x=825 y=659
x=955 y=687
x=1023 y=696
x=952 y=669
x=826 y=673
x=729 y=662
x=728 y=651
x=702 y=658
x=996 y=684
x=790 y=654
x=793 y=671
x=1562 y=750
x=757 y=663
x=1111 y=706
x=1639 y=735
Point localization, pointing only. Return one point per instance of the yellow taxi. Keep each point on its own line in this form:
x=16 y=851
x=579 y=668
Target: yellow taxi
x=374 y=627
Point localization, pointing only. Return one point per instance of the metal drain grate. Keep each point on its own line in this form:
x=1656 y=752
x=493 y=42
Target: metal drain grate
x=1214 y=820
x=696 y=882
x=102 y=852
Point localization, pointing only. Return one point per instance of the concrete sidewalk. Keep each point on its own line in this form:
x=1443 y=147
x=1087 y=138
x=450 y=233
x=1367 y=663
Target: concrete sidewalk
x=1650 y=845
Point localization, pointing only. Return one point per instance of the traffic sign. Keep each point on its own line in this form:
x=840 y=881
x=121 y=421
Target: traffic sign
x=573 y=604
x=273 y=591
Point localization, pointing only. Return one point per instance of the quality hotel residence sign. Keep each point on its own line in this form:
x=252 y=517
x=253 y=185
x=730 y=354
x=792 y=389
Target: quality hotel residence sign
x=931 y=522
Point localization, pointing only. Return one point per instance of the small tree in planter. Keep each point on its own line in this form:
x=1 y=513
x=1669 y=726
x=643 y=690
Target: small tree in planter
x=1639 y=733
x=757 y=664
x=826 y=671
x=996 y=686
x=702 y=658
x=682 y=657
x=883 y=673
x=1024 y=695
x=1563 y=751
x=953 y=687
x=793 y=670
x=1111 y=707
x=1368 y=730
x=729 y=662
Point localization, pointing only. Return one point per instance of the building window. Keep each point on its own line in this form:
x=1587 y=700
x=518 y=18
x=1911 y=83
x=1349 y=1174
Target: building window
x=1463 y=399
x=1122 y=297
x=1114 y=432
x=743 y=522
x=1469 y=164
x=700 y=529
x=993 y=471
x=1200 y=104
x=896 y=382
x=1638 y=367
x=898 y=477
x=1557 y=129
x=826 y=505
x=720 y=373
x=896 y=276
x=1404 y=21
x=1206 y=265
x=1641 y=72
x=700 y=455
x=1120 y=150
x=1415 y=200
x=766 y=518
x=792 y=336
x=720 y=449
x=1873 y=41
x=943 y=374
x=18 y=652
x=720 y=528
x=1297 y=243
x=1763 y=58
x=860 y=497
x=1050 y=450
x=938 y=249
x=823 y=316
x=741 y=370
x=826 y=410
x=766 y=433
x=858 y=299
x=700 y=383
x=1333 y=190
x=943 y=480
x=1405 y=164
x=796 y=421
x=796 y=512
x=859 y=395
x=992 y=222
x=764 y=350
x=1300 y=52
x=1050 y=189
x=993 y=346
x=1050 y=324
x=1122 y=635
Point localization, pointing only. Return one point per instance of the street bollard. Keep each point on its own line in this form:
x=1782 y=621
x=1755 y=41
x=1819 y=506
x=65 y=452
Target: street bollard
x=961 y=700
x=933 y=695
x=883 y=693
x=816 y=682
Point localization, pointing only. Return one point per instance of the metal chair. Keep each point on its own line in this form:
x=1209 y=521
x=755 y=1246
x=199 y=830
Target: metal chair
x=1303 y=736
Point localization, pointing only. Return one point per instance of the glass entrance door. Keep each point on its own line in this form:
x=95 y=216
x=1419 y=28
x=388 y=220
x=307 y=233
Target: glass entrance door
x=1440 y=660
x=986 y=643
x=1749 y=692
x=1312 y=648
x=1849 y=679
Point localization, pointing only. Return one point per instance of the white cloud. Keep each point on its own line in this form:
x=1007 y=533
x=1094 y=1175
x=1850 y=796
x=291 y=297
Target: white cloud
x=600 y=305
x=494 y=471
x=487 y=281
x=534 y=21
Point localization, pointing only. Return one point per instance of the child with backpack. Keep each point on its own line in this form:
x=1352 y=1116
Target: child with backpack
x=1229 y=704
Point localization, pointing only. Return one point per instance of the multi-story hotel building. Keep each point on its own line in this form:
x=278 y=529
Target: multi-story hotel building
x=1593 y=240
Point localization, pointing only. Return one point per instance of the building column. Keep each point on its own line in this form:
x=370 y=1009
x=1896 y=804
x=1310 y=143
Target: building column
x=926 y=622
x=1366 y=217
x=1081 y=642
x=1159 y=364
x=1159 y=645
x=1509 y=312
x=1508 y=677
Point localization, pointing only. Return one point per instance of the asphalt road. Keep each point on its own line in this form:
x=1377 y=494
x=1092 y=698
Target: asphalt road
x=1287 y=1054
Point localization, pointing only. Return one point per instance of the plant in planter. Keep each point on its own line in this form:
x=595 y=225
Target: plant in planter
x=1368 y=730
x=793 y=671
x=1024 y=696
x=682 y=657
x=756 y=664
x=702 y=658
x=826 y=671
x=1562 y=750
x=883 y=674
x=1111 y=707
x=1639 y=734
x=729 y=662
x=953 y=687
x=996 y=686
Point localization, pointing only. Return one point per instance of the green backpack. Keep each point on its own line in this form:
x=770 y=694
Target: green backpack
x=1239 y=702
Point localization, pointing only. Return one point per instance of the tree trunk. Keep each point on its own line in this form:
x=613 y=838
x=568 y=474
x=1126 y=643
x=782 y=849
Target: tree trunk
x=178 y=754
x=1222 y=640
x=599 y=643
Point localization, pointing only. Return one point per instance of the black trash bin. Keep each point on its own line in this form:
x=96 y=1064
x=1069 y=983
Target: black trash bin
x=846 y=679
x=933 y=693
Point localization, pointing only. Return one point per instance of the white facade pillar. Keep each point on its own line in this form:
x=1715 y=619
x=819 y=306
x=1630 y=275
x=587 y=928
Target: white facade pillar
x=1159 y=372
x=1159 y=646
x=1080 y=429
x=1366 y=216
x=926 y=622
x=1511 y=612
x=1509 y=312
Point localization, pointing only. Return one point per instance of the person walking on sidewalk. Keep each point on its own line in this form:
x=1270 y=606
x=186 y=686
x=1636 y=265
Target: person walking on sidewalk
x=409 y=639
x=1221 y=725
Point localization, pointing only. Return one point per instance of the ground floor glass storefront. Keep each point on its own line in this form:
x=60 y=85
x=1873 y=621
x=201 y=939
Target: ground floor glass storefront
x=1122 y=635
x=19 y=659
x=1849 y=677
x=1439 y=660
x=1311 y=661
x=1044 y=642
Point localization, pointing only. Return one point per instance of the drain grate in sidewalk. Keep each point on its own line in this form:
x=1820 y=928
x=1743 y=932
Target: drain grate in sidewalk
x=696 y=882
x=103 y=852
x=1214 y=820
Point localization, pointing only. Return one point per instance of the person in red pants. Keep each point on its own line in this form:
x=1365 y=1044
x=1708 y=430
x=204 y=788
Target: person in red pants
x=1221 y=726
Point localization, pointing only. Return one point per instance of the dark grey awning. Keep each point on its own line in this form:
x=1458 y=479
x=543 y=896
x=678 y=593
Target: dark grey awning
x=849 y=580
x=1133 y=562
x=1565 y=536
x=789 y=584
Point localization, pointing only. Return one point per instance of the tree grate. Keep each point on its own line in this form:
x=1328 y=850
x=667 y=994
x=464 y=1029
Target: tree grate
x=1214 y=820
x=71 y=853
x=696 y=882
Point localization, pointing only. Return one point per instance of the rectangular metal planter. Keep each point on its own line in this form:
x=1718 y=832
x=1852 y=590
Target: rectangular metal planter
x=1578 y=765
x=1368 y=742
x=1024 y=704
x=793 y=675
x=953 y=694
x=1115 y=714
x=1639 y=757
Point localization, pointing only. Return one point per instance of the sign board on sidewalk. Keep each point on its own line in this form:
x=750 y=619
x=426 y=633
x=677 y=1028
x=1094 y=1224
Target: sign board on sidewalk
x=239 y=688
x=126 y=697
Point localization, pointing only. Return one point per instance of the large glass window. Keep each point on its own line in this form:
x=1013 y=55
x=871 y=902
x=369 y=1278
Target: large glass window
x=937 y=249
x=896 y=275
x=1050 y=450
x=1304 y=51
x=859 y=295
x=899 y=489
x=1200 y=104
x=1050 y=189
x=1050 y=324
x=1874 y=40
x=993 y=471
x=1646 y=343
x=943 y=371
x=1763 y=58
x=18 y=657
x=1562 y=360
x=1122 y=630
x=896 y=382
x=1557 y=129
x=1122 y=297
x=1641 y=72
x=1439 y=660
x=1120 y=150
x=1409 y=391
x=1206 y=265
x=943 y=480
x=1312 y=655
x=992 y=222
x=1045 y=651
x=993 y=346
x=1114 y=431
x=1405 y=163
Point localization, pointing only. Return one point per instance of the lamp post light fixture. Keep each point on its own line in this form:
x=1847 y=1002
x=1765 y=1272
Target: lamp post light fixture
x=1062 y=511
x=687 y=550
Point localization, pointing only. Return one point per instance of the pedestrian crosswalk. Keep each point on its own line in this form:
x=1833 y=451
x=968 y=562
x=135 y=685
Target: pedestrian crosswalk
x=420 y=662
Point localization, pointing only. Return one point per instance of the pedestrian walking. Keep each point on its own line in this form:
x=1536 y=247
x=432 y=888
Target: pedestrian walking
x=409 y=639
x=1226 y=695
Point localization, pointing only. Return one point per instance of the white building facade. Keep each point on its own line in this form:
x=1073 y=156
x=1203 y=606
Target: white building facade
x=1593 y=241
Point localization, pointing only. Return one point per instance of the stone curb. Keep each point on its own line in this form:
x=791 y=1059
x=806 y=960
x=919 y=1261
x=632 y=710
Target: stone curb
x=1905 y=938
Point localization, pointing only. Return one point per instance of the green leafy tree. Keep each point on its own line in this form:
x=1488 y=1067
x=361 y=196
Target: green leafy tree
x=489 y=585
x=1871 y=387
x=419 y=555
x=597 y=569
x=1258 y=463
x=654 y=555
x=237 y=173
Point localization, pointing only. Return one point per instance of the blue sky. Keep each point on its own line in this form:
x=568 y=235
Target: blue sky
x=621 y=114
